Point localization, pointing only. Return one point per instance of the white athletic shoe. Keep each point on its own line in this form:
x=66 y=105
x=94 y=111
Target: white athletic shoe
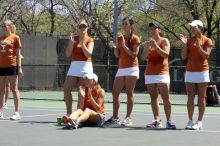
x=197 y=125
x=1 y=116
x=126 y=122
x=189 y=125
x=155 y=124
x=16 y=116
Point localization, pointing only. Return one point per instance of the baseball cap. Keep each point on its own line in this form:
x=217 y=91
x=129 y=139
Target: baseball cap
x=156 y=24
x=83 y=22
x=196 y=23
x=92 y=76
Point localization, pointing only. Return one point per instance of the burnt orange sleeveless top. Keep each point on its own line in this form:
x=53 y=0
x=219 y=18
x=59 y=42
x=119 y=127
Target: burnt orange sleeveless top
x=156 y=64
x=197 y=63
x=125 y=60
x=77 y=54
x=87 y=103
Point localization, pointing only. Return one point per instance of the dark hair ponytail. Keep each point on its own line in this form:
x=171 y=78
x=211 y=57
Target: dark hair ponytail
x=131 y=22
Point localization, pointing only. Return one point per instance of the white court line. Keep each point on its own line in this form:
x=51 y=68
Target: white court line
x=32 y=116
x=44 y=115
x=40 y=109
x=135 y=112
x=202 y=131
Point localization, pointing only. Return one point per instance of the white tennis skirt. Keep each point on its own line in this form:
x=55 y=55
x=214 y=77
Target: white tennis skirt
x=153 y=79
x=197 y=77
x=80 y=68
x=131 y=71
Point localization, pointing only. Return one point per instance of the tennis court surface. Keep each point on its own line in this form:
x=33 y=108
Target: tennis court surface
x=38 y=127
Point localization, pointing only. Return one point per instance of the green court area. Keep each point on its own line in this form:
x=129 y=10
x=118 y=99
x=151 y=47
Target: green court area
x=38 y=126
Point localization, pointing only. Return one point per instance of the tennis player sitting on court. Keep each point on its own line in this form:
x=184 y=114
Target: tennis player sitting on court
x=196 y=50
x=157 y=78
x=80 y=51
x=90 y=110
x=127 y=50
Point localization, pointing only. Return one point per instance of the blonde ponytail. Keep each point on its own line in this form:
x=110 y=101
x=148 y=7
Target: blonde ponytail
x=13 y=29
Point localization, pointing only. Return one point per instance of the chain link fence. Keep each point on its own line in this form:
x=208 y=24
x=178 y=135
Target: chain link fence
x=50 y=76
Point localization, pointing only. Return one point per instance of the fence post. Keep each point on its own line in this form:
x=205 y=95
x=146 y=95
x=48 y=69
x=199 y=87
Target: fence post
x=108 y=66
x=218 y=46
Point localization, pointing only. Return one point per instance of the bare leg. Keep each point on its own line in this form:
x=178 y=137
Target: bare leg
x=7 y=91
x=75 y=115
x=13 y=80
x=130 y=82
x=2 y=91
x=117 y=87
x=202 y=101
x=89 y=115
x=164 y=92
x=69 y=84
x=191 y=91
x=153 y=91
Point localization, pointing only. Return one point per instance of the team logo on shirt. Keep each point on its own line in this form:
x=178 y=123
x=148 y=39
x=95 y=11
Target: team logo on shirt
x=3 y=44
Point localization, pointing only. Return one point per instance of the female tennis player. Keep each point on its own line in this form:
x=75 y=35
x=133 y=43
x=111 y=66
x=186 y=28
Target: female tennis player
x=80 y=51
x=10 y=66
x=196 y=50
x=157 y=78
x=126 y=50
x=90 y=111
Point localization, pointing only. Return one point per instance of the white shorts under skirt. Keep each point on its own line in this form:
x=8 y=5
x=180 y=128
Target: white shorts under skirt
x=131 y=71
x=197 y=77
x=153 y=79
x=80 y=68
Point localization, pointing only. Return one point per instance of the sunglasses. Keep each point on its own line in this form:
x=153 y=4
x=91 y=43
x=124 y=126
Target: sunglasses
x=82 y=26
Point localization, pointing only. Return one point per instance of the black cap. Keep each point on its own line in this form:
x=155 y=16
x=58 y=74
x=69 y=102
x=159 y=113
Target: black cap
x=156 y=24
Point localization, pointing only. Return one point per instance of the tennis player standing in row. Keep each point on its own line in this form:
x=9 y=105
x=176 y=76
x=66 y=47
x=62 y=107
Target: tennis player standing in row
x=157 y=78
x=196 y=50
x=128 y=72
x=80 y=51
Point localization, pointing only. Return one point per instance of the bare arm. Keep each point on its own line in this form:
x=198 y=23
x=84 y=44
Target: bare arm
x=18 y=55
x=116 y=50
x=81 y=97
x=146 y=51
x=69 y=49
x=184 y=51
x=131 y=53
x=87 y=50
x=164 y=50
x=206 y=52
x=97 y=105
